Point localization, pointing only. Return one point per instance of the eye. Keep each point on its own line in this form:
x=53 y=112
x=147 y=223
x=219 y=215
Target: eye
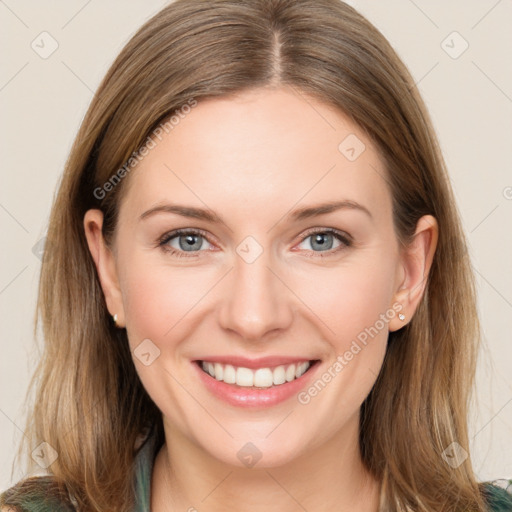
x=322 y=241
x=183 y=241
x=189 y=242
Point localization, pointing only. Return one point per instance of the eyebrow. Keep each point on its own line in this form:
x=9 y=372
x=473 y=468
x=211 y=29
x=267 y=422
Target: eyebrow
x=320 y=209
x=296 y=215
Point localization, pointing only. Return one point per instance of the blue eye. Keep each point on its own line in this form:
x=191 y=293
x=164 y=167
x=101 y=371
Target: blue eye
x=190 y=242
x=323 y=241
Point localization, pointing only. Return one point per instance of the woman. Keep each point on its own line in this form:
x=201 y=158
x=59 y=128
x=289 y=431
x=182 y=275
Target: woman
x=257 y=294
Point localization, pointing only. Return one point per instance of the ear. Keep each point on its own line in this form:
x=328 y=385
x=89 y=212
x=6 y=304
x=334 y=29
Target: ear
x=105 y=264
x=415 y=263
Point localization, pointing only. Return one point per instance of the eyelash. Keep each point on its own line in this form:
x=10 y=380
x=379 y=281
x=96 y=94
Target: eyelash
x=167 y=237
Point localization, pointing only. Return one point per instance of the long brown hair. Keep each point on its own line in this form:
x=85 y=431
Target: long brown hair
x=90 y=405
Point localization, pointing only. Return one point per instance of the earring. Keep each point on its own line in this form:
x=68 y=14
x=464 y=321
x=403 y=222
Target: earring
x=115 y=320
x=401 y=316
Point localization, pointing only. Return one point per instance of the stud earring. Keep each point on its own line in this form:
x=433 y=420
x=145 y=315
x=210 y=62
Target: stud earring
x=401 y=316
x=115 y=320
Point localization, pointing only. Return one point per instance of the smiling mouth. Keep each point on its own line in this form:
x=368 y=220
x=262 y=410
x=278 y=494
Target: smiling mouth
x=259 y=378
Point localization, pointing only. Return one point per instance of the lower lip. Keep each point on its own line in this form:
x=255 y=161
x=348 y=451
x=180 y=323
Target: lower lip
x=253 y=397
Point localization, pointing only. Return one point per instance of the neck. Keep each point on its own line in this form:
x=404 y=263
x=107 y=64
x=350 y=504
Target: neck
x=329 y=477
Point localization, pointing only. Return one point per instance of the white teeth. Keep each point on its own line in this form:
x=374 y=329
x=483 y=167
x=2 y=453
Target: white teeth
x=301 y=368
x=244 y=377
x=263 y=378
x=260 y=378
x=229 y=376
x=219 y=371
x=290 y=373
x=279 y=375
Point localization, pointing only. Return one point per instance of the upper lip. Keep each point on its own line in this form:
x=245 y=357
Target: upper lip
x=260 y=362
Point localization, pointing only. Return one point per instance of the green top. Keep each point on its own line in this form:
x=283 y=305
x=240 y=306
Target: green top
x=142 y=476
x=498 y=498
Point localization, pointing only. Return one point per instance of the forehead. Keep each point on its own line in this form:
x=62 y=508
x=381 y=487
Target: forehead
x=258 y=151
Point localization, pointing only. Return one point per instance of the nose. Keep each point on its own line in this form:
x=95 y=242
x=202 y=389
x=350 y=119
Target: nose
x=256 y=301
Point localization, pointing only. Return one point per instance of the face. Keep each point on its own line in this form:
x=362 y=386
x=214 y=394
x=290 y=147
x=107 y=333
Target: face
x=257 y=237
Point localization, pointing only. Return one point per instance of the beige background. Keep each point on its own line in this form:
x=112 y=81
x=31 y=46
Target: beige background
x=43 y=100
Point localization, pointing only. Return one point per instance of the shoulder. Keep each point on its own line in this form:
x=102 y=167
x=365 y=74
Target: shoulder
x=46 y=494
x=41 y=493
x=498 y=495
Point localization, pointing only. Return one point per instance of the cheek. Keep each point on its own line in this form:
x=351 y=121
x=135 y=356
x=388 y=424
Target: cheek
x=354 y=304
x=156 y=299
x=159 y=304
x=348 y=299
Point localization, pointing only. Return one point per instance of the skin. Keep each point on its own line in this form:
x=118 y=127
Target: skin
x=253 y=158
